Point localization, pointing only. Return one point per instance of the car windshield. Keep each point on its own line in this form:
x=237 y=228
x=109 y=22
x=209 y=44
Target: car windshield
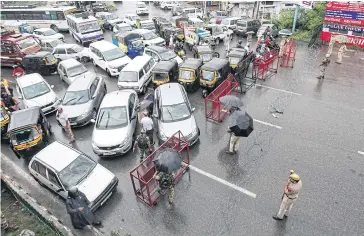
x=113 y=54
x=87 y=27
x=234 y=60
x=161 y=76
x=55 y=43
x=49 y=32
x=241 y=23
x=168 y=55
x=76 y=70
x=35 y=90
x=77 y=48
x=208 y=75
x=112 y=118
x=112 y=17
x=75 y=172
x=186 y=74
x=128 y=76
x=175 y=112
x=149 y=36
x=26 y=43
x=75 y=97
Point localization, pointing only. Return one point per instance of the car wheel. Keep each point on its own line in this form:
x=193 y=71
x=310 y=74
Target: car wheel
x=93 y=62
x=94 y=114
x=84 y=60
x=108 y=72
x=55 y=28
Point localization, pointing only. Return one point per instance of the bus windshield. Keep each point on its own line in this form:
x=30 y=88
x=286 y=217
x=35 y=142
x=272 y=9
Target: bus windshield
x=88 y=27
x=27 y=43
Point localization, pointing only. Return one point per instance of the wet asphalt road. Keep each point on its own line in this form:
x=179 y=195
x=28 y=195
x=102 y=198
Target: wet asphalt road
x=320 y=135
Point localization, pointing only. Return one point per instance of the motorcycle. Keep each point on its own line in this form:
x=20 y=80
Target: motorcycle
x=179 y=50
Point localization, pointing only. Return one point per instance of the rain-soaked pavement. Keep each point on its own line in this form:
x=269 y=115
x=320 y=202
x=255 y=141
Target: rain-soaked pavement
x=320 y=135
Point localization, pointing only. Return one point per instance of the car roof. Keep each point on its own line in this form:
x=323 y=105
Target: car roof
x=191 y=63
x=266 y=25
x=157 y=49
x=49 y=40
x=29 y=79
x=164 y=66
x=171 y=93
x=123 y=24
x=57 y=155
x=215 y=64
x=137 y=62
x=105 y=45
x=37 y=54
x=65 y=45
x=81 y=83
x=70 y=63
x=24 y=117
x=117 y=98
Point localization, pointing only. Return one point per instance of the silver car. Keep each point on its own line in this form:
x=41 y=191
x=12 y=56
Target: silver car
x=83 y=98
x=60 y=167
x=115 y=123
x=174 y=113
x=71 y=69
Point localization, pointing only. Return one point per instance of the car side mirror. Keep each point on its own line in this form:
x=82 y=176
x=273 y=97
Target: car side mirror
x=93 y=121
x=193 y=109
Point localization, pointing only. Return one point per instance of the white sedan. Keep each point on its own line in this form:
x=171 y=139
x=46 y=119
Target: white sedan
x=47 y=33
x=168 y=5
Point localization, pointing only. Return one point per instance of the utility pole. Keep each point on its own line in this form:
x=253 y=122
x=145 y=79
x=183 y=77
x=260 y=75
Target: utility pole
x=263 y=11
x=295 y=18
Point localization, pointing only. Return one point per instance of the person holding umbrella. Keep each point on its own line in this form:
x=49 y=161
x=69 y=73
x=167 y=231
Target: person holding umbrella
x=78 y=208
x=166 y=162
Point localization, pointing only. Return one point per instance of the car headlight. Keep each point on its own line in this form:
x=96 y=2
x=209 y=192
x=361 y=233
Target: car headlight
x=194 y=131
x=113 y=67
x=85 y=113
x=94 y=146
x=126 y=140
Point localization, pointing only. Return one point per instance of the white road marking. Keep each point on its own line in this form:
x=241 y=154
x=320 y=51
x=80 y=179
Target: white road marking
x=281 y=90
x=269 y=124
x=242 y=190
x=362 y=153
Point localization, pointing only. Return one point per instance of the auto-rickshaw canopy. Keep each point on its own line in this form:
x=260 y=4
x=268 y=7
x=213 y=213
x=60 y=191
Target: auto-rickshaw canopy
x=125 y=37
x=215 y=64
x=191 y=63
x=204 y=49
x=165 y=66
x=237 y=52
x=24 y=118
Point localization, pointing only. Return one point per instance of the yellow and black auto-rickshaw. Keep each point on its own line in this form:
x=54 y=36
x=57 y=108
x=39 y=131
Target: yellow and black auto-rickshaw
x=205 y=53
x=5 y=118
x=212 y=74
x=28 y=130
x=189 y=74
x=173 y=31
x=164 y=72
x=235 y=57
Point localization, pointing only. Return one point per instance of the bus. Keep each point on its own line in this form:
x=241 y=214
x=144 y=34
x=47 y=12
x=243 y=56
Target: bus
x=38 y=17
x=84 y=28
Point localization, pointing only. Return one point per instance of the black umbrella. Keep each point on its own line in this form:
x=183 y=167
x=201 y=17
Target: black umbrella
x=168 y=160
x=230 y=100
x=241 y=124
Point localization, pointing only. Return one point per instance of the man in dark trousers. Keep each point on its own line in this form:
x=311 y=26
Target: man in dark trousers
x=144 y=145
x=166 y=181
x=78 y=208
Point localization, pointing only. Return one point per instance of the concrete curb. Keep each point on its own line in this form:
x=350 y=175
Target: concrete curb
x=35 y=206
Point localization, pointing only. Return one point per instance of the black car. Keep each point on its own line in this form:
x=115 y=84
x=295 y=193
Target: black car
x=41 y=62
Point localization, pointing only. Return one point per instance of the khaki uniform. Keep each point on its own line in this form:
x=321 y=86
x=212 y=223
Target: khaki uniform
x=331 y=46
x=234 y=142
x=324 y=64
x=291 y=192
x=166 y=181
x=281 y=46
x=340 y=54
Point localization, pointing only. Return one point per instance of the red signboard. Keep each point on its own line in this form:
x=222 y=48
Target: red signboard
x=344 y=21
x=354 y=40
x=344 y=6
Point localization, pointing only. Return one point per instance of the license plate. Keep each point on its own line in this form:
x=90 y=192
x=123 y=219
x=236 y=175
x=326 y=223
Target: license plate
x=73 y=123
x=109 y=153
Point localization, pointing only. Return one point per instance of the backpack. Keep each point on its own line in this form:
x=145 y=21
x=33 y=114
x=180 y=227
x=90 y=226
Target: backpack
x=143 y=141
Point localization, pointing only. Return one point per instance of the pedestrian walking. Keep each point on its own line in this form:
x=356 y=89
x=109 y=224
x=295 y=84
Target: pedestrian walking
x=226 y=41
x=62 y=118
x=144 y=145
x=166 y=181
x=324 y=64
x=331 y=45
x=290 y=195
x=148 y=125
x=341 y=52
x=234 y=140
x=78 y=207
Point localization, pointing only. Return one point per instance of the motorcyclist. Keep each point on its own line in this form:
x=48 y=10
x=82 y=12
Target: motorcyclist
x=240 y=44
x=17 y=71
x=5 y=86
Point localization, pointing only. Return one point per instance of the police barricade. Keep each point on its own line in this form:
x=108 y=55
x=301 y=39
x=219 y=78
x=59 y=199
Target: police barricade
x=144 y=185
x=241 y=72
x=288 y=54
x=214 y=110
x=266 y=66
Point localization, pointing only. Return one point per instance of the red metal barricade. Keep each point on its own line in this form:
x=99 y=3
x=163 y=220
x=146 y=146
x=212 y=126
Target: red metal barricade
x=213 y=107
x=146 y=187
x=266 y=66
x=288 y=54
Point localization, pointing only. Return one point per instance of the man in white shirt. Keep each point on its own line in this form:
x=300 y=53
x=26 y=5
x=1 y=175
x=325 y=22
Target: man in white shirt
x=148 y=125
x=62 y=118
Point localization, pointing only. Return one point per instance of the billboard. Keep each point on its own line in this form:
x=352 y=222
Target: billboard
x=345 y=6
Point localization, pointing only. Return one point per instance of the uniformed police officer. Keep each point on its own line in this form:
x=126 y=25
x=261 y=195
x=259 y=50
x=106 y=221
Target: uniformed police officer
x=341 y=52
x=144 y=145
x=324 y=64
x=166 y=181
x=290 y=195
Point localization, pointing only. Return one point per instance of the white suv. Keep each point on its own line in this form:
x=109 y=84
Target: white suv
x=60 y=167
x=108 y=57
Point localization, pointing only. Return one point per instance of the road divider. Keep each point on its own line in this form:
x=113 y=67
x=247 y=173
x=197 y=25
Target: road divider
x=222 y=181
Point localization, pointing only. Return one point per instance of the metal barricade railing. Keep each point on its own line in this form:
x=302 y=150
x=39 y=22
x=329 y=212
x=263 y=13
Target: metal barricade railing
x=288 y=54
x=241 y=72
x=214 y=110
x=144 y=185
x=266 y=66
